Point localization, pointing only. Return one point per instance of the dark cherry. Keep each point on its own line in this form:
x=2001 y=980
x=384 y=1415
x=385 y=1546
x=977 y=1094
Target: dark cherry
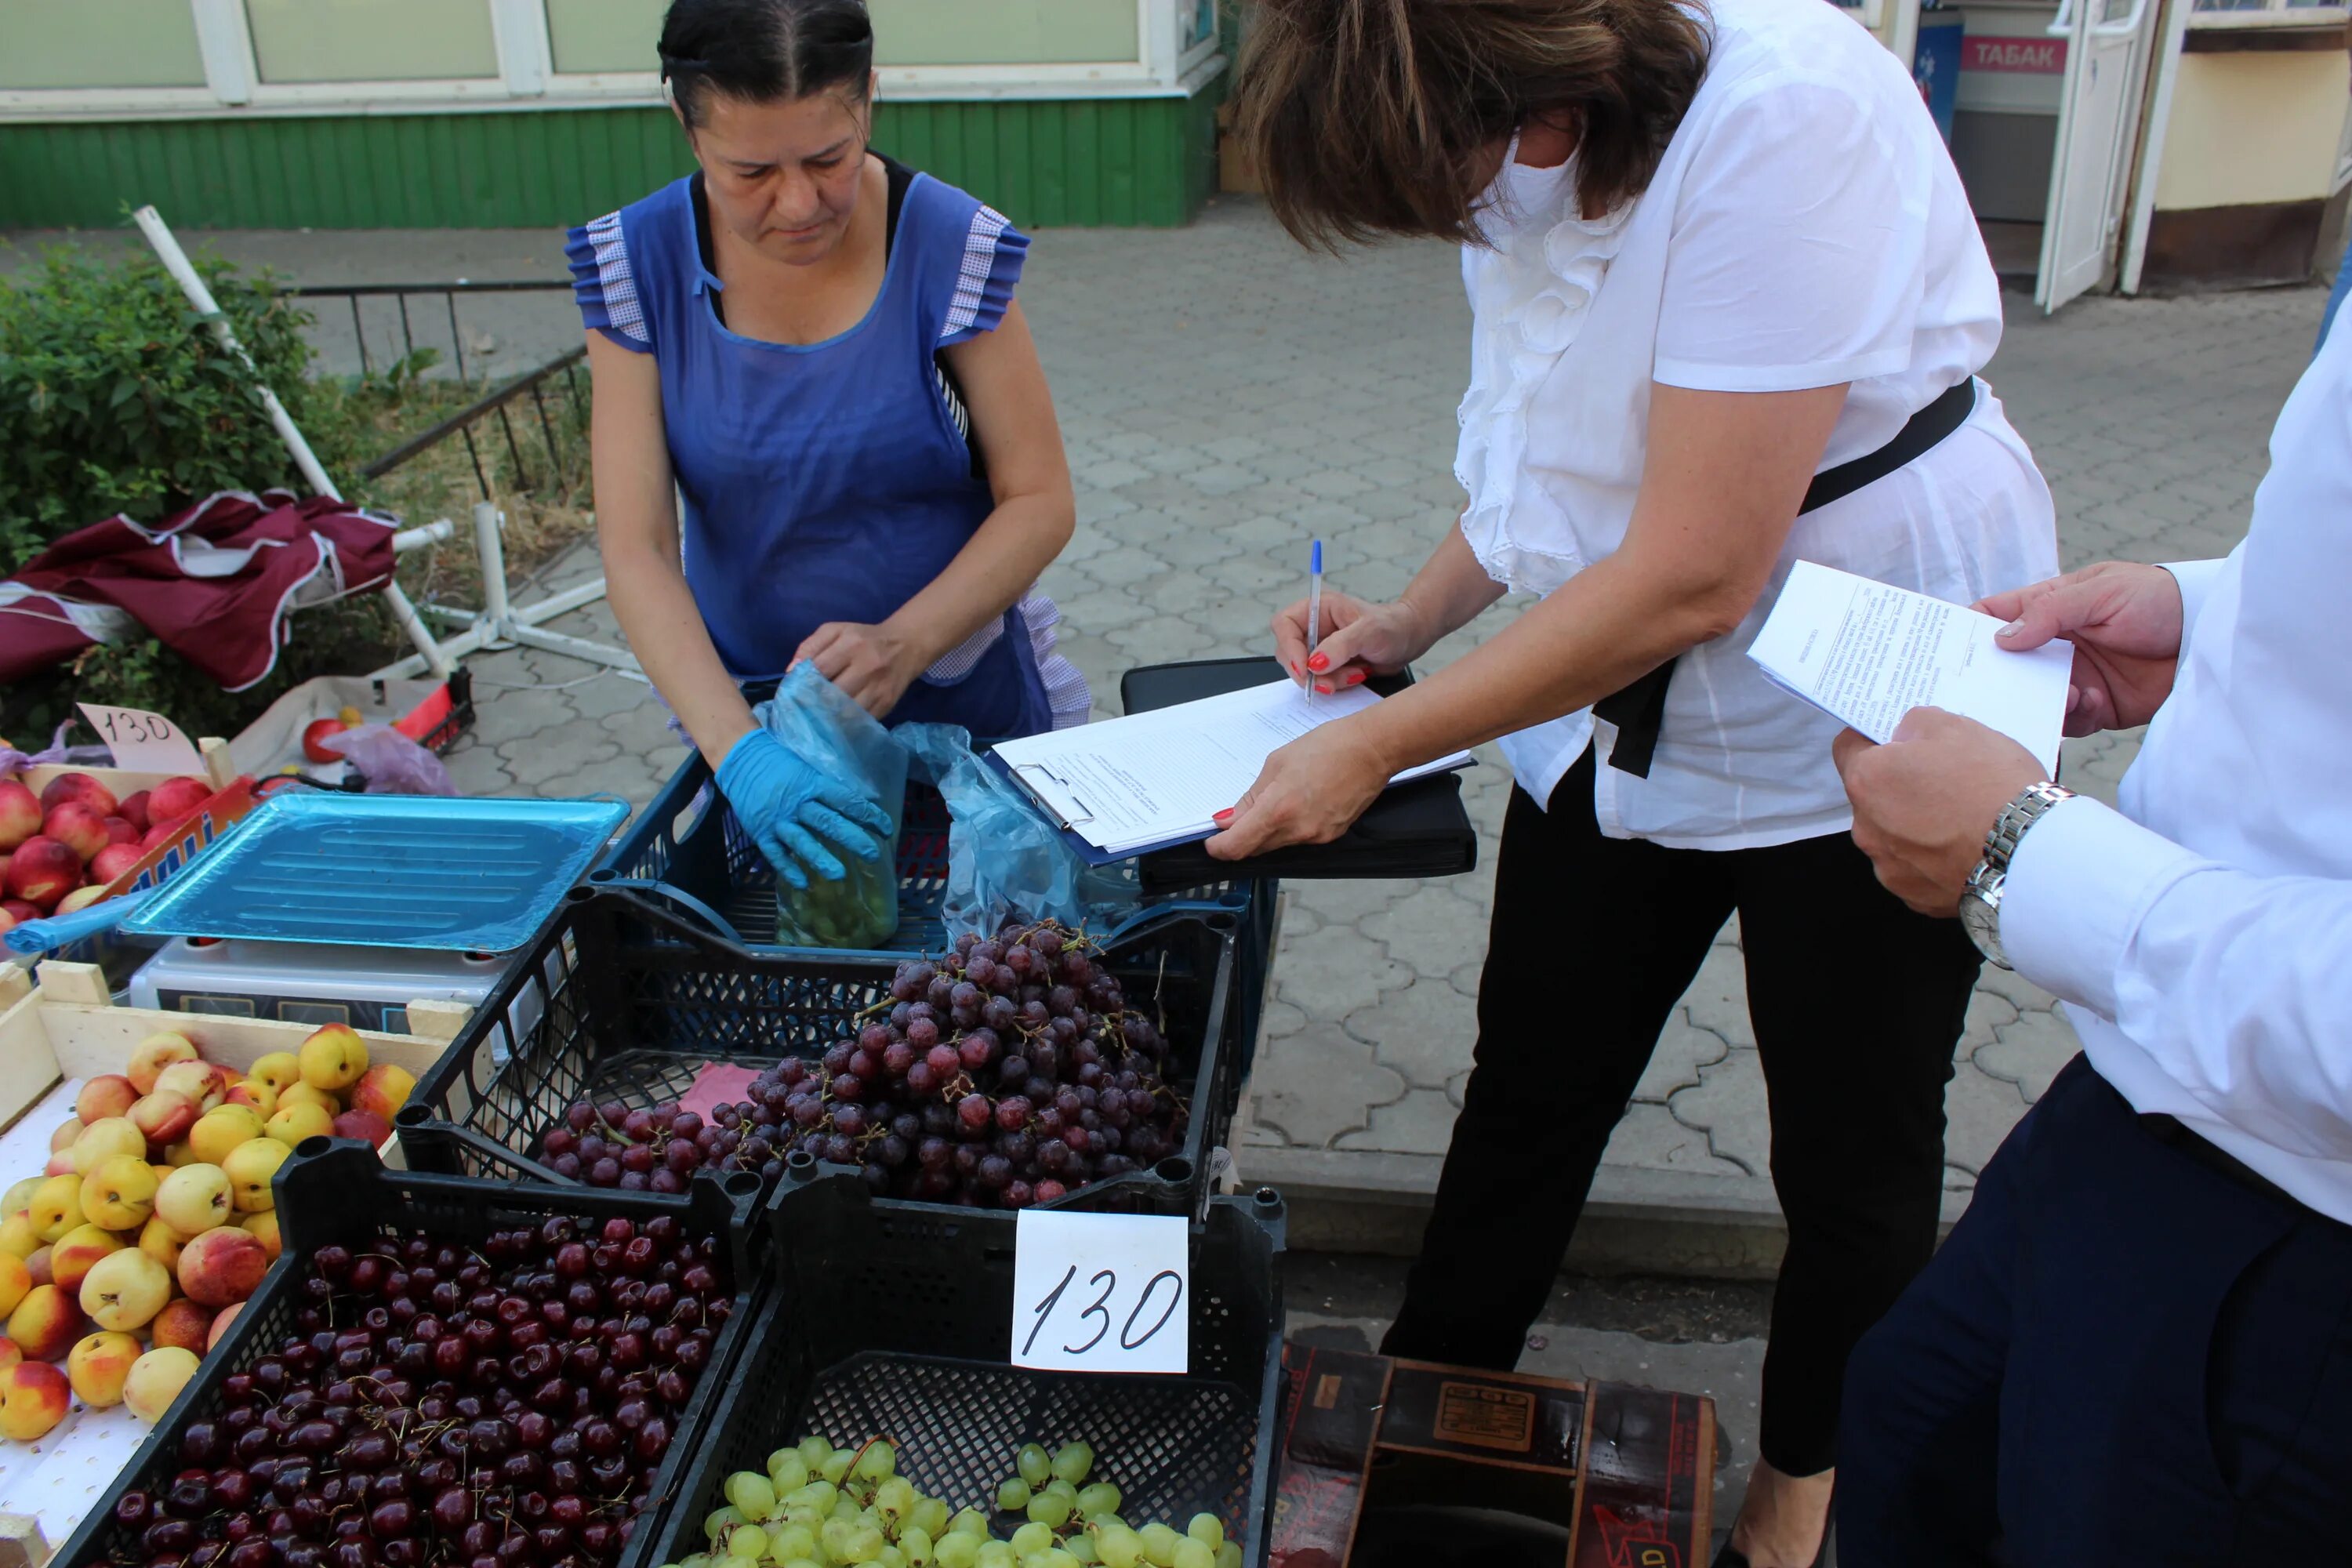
x=174 y=1535
x=391 y=1520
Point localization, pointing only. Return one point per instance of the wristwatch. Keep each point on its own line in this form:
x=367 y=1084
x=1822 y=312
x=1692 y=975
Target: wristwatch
x=1980 y=899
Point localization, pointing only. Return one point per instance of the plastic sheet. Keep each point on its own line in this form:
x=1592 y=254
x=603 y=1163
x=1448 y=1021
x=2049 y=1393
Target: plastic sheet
x=389 y=762
x=1005 y=860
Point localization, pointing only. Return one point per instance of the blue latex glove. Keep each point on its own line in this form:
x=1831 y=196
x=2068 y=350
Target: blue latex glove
x=789 y=809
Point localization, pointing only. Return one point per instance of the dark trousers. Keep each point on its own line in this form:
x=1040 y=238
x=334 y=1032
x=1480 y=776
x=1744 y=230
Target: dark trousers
x=1857 y=1004
x=2123 y=1355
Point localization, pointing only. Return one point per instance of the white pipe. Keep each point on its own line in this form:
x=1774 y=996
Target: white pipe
x=433 y=533
x=492 y=547
x=176 y=261
x=418 y=632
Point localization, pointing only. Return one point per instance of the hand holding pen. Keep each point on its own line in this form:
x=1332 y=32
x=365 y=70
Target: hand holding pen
x=1330 y=641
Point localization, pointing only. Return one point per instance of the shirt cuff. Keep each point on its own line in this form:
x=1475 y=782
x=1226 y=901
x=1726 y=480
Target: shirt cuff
x=2196 y=580
x=2078 y=887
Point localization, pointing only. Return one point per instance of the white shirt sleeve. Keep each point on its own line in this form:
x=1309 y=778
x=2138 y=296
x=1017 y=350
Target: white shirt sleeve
x=1798 y=257
x=2195 y=579
x=2237 y=987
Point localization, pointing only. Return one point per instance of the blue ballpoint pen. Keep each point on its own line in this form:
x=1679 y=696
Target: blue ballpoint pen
x=1313 y=607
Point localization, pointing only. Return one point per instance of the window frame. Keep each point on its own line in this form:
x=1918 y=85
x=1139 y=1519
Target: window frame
x=527 y=78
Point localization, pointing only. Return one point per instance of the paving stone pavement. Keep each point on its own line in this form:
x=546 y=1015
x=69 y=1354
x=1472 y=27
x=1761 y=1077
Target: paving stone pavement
x=1223 y=396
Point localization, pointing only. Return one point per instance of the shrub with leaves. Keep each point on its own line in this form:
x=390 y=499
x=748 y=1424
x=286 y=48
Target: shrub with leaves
x=114 y=397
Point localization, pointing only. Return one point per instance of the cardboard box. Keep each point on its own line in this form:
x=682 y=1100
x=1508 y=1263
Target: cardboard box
x=1391 y=1462
x=1234 y=174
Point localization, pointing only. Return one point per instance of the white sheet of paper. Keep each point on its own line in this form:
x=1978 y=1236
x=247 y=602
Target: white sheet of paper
x=144 y=741
x=1102 y=1292
x=1164 y=775
x=1867 y=652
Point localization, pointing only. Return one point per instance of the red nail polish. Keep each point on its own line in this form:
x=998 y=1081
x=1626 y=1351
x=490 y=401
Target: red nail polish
x=1224 y=815
x=1354 y=678
x=1318 y=663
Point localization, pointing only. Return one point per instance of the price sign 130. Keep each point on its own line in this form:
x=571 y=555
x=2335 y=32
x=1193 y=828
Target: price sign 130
x=1102 y=1292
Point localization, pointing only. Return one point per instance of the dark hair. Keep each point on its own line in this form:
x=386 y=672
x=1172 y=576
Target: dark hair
x=763 y=51
x=1376 y=117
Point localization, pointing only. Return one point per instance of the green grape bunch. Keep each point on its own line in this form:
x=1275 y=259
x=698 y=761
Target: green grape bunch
x=817 y=1505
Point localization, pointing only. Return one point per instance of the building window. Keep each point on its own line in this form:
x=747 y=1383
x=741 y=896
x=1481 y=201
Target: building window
x=2268 y=14
x=371 y=40
x=604 y=37
x=99 y=44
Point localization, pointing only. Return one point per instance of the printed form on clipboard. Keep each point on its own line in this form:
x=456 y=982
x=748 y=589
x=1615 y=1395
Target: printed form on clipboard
x=1151 y=780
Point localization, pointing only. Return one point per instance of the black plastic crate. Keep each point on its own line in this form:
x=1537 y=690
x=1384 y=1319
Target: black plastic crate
x=685 y=850
x=896 y=1324
x=633 y=1000
x=334 y=1190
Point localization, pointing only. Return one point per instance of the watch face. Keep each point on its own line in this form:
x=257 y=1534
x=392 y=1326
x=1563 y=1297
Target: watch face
x=1982 y=923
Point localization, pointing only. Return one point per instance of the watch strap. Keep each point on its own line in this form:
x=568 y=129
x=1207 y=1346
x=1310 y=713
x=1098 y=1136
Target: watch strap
x=1980 y=899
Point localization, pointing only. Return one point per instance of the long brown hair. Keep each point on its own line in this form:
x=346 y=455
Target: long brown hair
x=1367 y=118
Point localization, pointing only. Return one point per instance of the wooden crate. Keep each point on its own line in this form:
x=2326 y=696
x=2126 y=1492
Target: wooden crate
x=53 y=1036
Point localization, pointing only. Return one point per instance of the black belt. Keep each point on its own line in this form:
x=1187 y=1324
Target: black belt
x=1639 y=709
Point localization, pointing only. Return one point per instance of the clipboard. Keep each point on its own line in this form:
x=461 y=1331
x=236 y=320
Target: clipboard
x=1415 y=829
x=1067 y=826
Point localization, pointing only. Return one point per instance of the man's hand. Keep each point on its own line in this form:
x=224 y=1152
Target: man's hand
x=1924 y=801
x=2125 y=623
x=871 y=664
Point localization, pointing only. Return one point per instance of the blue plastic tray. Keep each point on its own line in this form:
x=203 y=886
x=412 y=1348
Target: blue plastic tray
x=385 y=871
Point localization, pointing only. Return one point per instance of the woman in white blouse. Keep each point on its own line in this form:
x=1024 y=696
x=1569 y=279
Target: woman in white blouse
x=1729 y=304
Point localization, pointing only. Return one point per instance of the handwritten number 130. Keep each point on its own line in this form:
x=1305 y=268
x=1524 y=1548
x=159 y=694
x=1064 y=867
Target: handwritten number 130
x=1128 y=1338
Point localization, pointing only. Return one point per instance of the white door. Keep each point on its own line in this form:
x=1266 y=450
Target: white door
x=2098 y=116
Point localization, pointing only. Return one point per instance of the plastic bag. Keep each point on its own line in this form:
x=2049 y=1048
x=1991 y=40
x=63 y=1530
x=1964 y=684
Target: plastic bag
x=820 y=725
x=389 y=762
x=1005 y=860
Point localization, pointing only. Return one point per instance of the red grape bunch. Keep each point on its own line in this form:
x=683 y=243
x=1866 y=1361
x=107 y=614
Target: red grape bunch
x=508 y=1407
x=1009 y=1073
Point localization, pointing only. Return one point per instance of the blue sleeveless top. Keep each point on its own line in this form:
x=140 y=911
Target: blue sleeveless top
x=831 y=481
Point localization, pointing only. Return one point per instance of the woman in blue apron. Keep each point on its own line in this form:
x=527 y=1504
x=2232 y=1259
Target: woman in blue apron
x=816 y=352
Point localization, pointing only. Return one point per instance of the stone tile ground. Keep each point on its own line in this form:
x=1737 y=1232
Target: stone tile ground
x=1223 y=396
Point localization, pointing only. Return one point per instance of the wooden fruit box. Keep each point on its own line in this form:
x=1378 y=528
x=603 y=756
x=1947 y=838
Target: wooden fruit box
x=53 y=1036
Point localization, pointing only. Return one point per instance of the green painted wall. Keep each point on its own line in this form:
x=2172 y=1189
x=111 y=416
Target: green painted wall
x=1108 y=162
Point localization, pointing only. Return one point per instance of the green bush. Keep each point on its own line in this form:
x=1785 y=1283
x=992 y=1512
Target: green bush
x=114 y=397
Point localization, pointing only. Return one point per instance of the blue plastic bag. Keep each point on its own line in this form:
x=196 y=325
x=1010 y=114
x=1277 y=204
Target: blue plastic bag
x=1005 y=860
x=820 y=726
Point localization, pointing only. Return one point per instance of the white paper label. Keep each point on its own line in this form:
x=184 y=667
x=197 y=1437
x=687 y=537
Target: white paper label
x=144 y=741
x=1102 y=1292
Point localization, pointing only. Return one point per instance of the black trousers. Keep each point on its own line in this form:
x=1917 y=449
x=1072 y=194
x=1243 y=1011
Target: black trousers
x=2125 y=1356
x=1857 y=1004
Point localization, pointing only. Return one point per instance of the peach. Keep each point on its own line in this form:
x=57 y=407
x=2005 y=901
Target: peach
x=159 y=1241
x=113 y=1139
x=363 y=1125
x=63 y=1138
x=71 y=1260
x=20 y=813
x=79 y=828
x=80 y=899
x=18 y=1239
x=382 y=1089
x=219 y=1329
x=155 y=1053
x=34 y=1398
x=132 y=808
x=17 y=909
x=223 y=1266
x=155 y=1381
x=183 y=1323
x=176 y=798
x=16 y=1281
x=199 y=1080
x=333 y=1058
x=165 y=1116
x=82 y=790
x=280 y=1070
x=292 y=1123
x=7 y=922
x=259 y=1096
x=249 y=1167
x=121 y=830
x=42 y=870
x=37 y=1266
x=108 y=1094
x=160 y=833
x=100 y=1365
x=300 y=1094
x=59 y=1164
x=125 y=1289
x=193 y=1199
x=120 y=1193
x=45 y=1324
x=179 y=1155
x=9 y=1355
x=218 y=1132
x=19 y=1196
x=57 y=1207
x=263 y=1227
x=113 y=860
